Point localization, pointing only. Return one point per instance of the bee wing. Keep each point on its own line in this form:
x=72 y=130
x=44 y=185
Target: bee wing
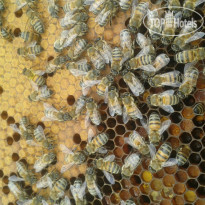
x=173 y=84
x=77 y=72
x=67 y=20
x=89 y=2
x=122 y=203
x=145 y=50
x=167 y=108
x=170 y=162
x=109 y=177
x=87 y=119
x=109 y=158
x=34 y=85
x=14 y=178
x=134 y=4
x=139 y=137
x=91 y=134
x=96 y=115
x=98 y=191
x=31 y=56
x=65 y=150
x=39 y=72
x=165 y=61
x=148 y=68
x=102 y=150
x=136 y=87
x=107 y=55
x=165 y=125
x=195 y=37
x=142 y=41
x=20 y=5
x=188 y=65
x=127 y=140
x=125 y=116
x=15 y=128
x=69 y=40
x=40 y=129
x=49 y=107
x=106 y=95
x=67 y=201
x=111 y=110
x=144 y=124
x=42 y=183
x=91 y=83
x=169 y=92
x=81 y=192
x=66 y=167
x=102 y=16
x=93 y=5
x=49 y=182
x=152 y=150
x=199 y=2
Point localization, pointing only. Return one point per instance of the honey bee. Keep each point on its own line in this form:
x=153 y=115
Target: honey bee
x=185 y=37
x=161 y=159
x=155 y=28
x=102 y=87
x=68 y=36
x=53 y=8
x=104 y=49
x=95 y=57
x=127 y=202
x=24 y=173
x=71 y=19
x=38 y=199
x=2 y=7
x=97 y=6
x=129 y=108
x=35 y=21
x=91 y=178
x=155 y=128
x=189 y=82
x=189 y=6
x=18 y=192
x=125 y=4
x=165 y=100
x=77 y=48
x=40 y=93
x=192 y=55
x=79 y=105
x=167 y=79
x=131 y=163
x=126 y=44
x=31 y=51
x=114 y=103
x=72 y=158
x=169 y=27
x=58 y=189
x=133 y=82
x=26 y=130
x=79 y=68
x=199 y=109
x=44 y=161
x=73 y=6
x=22 y=3
x=89 y=80
x=183 y=155
x=30 y=37
x=117 y=60
x=174 y=5
x=108 y=166
x=40 y=136
x=48 y=180
x=7 y=34
x=52 y=114
x=107 y=13
x=137 y=16
x=93 y=113
x=65 y=201
x=78 y=192
x=95 y=143
x=136 y=141
x=35 y=77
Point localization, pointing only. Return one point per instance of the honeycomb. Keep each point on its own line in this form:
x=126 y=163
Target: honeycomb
x=172 y=185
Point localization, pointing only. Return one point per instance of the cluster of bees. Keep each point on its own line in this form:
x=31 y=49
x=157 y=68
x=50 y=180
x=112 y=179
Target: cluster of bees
x=135 y=69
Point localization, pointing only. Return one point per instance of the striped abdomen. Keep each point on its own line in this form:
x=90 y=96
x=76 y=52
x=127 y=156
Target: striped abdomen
x=61 y=185
x=22 y=169
x=170 y=100
x=125 y=4
x=183 y=155
x=37 y=25
x=199 y=109
x=154 y=122
x=39 y=80
x=164 y=152
x=185 y=56
x=111 y=167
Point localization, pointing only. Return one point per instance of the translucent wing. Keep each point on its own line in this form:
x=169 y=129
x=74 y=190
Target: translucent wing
x=65 y=150
x=32 y=143
x=136 y=87
x=69 y=40
x=170 y=162
x=142 y=41
x=91 y=134
x=102 y=150
x=91 y=83
x=152 y=150
x=81 y=192
x=106 y=95
x=67 y=20
x=77 y=72
x=165 y=125
x=66 y=167
x=167 y=92
x=144 y=124
x=109 y=158
x=125 y=116
x=167 y=108
x=34 y=85
x=96 y=115
x=66 y=201
x=40 y=130
x=39 y=72
x=42 y=183
x=46 y=119
x=95 y=4
x=122 y=203
x=111 y=110
x=195 y=37
x=49 y=107
x=50 y=182
x=101 y=17
x=199 y=2
x=15 y=128
x=161 y=63
x=87 y=119
x=20 y=5
x=89 y=2
x=109 y=177
x=138 y=137
x=98 y=191
x=144 y=51
x=16 y=179
x=173 y=84
x=148 y=68
x=107 y=55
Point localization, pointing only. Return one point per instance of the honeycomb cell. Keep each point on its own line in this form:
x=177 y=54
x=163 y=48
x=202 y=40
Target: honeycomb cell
x=127 y=149
x=190 y=196
x=9 y=140
x=203 y=154
x=176 y=117
x=196 y=146
x=193 y=171
x=189 y=100
x=107 y=190
x=5 y=179
x=174 y=130
x=179 y=188
x=146 y=176
x=167 y=193
x=76 y=139
x=145 y=188
x=181 y=176
x=202 y=166
x=201 y=192
x=1 y=90
x=119 y=141
x=6 y=190
x=195 y=158
x=134 y=191
x=187 y=125
x=125 y=183
x=192 y=184
x=111 y=133
x=188 y=113
x=131 y=125
x=201 y=179
x=156 y=196
x=17 y=32
x=116 y=187
x=159 y=174
x=197 y=133
x=1 y=173
x=4 y=115
x=168 y=180
x=156 y=184
x=144 y=199
x=115 y=198
x=10 y=120
x=111 y=122
x=124 y=195
x=165 y=202
x=178 y=107
x=174 y=142
x=199 y=120
x=120 y=130
x=70 y=100
x=178 y=200
x=185 y=138
x=118 y=152
x=16 y=137
x=135 y=180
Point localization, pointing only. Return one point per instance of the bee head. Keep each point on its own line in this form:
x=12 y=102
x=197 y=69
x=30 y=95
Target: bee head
x=155 y=37
x=89 y=100
x=166 y=40
x=151 y=82
x=152 y=169
x=84 y=16
x=110 y=78
x=90 y=171
x=175 y=46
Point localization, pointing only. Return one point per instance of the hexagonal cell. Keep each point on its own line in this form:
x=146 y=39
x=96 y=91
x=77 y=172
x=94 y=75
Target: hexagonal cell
x=76 y=138
x=181 y=176
x=178 y=200
x=70 y=100
x=168 y=180
x=156 y=184
x=190 y=196
x=192 y=184
x=4 y=115
x=9 y=140
x=196 y=146
x=193 y=171
x=179 y=188
x=195 y=158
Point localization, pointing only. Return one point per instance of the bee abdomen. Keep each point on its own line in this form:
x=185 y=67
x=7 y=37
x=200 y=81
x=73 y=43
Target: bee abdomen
x=164 y=152
x=199 y=109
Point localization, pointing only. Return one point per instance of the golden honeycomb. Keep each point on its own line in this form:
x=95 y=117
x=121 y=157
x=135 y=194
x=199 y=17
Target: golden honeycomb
x=172 y=185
